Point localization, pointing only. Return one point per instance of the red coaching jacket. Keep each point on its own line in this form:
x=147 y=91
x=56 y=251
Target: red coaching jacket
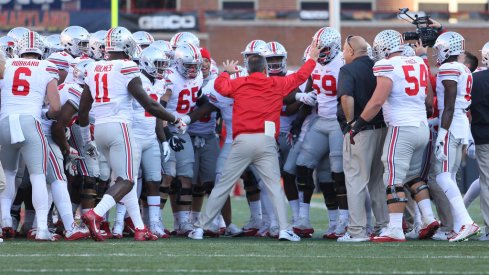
x=258 y=98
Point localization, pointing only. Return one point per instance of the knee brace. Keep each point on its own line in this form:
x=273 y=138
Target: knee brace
x=208 y=186
x=184 y=192
x=89 y=188
x=393 y=190
x=327 y=188
x=198 y=191
x=418 y=189
x=339 y=183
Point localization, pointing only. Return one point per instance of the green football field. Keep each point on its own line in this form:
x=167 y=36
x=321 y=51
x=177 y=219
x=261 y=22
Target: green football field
x=247 y=255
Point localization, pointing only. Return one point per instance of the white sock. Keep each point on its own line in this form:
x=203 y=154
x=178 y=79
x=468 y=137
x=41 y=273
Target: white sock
x=154 y=208
x=132 y=206
x=183 y=216
x=301 y=196
x=459 y=212
x=417 y=216
x=424 y=208
x=194 y=216
x=222 y=223
x=472 y=193
x=294 y=206
x=255 y=209
x=395 y=220
x=62 y=201
x=333 y=216
x=304 y=210
x=104 y=205
x=120 y=212
x=7 y=197
x=343 y=214
x=40 y=200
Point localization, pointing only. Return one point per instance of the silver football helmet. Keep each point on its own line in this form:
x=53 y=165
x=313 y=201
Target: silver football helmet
x=254 y=47
x=485 y=54
x=188 y=60
x=370 y=52
x=154 y=62
x=408 y=51
x=329 y=40
x=17 y=32
x=164 y=46
x=305 y=56
x=54 y=43
x=8 y=46
x=387 y=42
x=30 y=42
x=448 y=44
x=79 y=71
x=119 y=39
x=75 y=40
x=184 y=37
x=275 y=49
x=143 y=39
x=96 y=45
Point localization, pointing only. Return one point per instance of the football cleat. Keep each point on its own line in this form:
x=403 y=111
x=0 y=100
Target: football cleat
x=413 y=234
x=303 y=228
x=144 y=235
x=60 y=228
x=212 y=234
x=46 y=235
x=8 y=233
x=288 y=235
x=390 y=234
x=274 y=231
x=196 y=234
x=157 y=229
x=252 y=227
x=31 y=234
x=341 y=228
x=485 y=236
x=427 y=231
x=184 y=228
x=92 y=221
x=117 y=230
x=129 y=228
x=77 y=232
x=105 y=226
x=442 y=235
x=347 y=238
x=233 y=231
x=466 y=231
x=329 y=233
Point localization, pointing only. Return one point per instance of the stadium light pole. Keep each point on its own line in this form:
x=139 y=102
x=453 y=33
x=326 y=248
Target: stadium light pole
x=334 y=14
x=114 y=12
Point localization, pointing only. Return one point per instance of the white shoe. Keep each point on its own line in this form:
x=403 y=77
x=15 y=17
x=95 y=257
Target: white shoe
x=413 y=234
x=252 y=227
x=341 y=227
x=117 y=229
x=184 y=228
x=484 y=237
x=466 y=231
x=233 y=231
x=441 y=235
x=77 y=232
x=274 y=231
x=46 y=235
x=1 y=240
x=390 y=234
x=196 y=234
x=263 y=230
x=288 y=235
x=347 y=238
x=157 y=229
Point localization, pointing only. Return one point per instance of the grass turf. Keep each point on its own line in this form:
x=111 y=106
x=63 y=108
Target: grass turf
x=247 y=255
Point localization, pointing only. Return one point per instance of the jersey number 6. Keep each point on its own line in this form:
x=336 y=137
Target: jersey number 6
x=21 y=86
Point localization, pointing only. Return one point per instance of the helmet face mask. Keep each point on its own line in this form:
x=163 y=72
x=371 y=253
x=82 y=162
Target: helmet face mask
x=75 y=40
x=324 y=56
x=154 y=62
x=329 y=39
x=276 y=57
x=448 y=44
x=188 y=60
x=8 y=46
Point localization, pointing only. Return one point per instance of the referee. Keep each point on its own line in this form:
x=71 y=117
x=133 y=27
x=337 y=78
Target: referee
x=362 y=161
x=258 y=101
x=480 y=131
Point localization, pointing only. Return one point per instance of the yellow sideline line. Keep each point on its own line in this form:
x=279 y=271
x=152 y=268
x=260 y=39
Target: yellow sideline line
x=114 y=11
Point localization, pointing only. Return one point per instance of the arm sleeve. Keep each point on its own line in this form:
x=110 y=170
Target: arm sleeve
x=292 y=81
x=52 y=71
x=73 y=96
x=61 y=60
x=384 y=68
x=346 y=83
x=223 y=85
x=449 y=72
x=129 y=71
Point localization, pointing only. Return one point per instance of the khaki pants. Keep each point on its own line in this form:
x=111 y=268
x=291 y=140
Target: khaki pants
x=363 y=168
x=482 y=153
x=262 y=152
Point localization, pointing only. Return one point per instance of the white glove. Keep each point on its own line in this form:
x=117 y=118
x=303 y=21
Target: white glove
x=71 y=161
x=91 y=149
x=181 y=126
x=67 y=133
x=166 y=150
x=186 y=119
x=440 y=144
x=471 y=150
x=309 y=98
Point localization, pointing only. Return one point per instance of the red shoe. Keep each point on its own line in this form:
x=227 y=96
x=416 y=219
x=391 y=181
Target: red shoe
x=92 y=221
x=250 y=232
x=31 y=234
x=105 y=226
x=8 y=233
x=212 y=234
x=428 y=231
x=144 y=235
x=78 y=232
x=60 y=228
x=389 y=235
x=129 y=228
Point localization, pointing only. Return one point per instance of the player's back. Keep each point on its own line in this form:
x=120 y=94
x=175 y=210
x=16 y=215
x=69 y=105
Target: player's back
x=405 y=105
x=108 y=81
x=24 y=86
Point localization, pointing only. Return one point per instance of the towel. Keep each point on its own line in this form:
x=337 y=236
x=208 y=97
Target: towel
x=16 y=134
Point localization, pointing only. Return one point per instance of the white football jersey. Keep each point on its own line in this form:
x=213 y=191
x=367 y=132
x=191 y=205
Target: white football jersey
x=68 y=92
x=23 y=88
x=405 y=105
x=324 y=82
x=73 y=63
x=61 y=59
x=184 y=93
x=144 y=123
x=225 y=105
x=206 y=124
x=108 y=80
x=459 y=73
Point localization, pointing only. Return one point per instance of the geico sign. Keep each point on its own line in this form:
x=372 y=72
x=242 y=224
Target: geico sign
x=167 y=22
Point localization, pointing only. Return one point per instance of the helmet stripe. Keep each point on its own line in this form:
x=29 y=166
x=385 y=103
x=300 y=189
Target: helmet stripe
x=252 y=47
x=274 y=48
x=194 y=50
x=149 y=37
x=109 y=34
x=318 y=34
x=31 y=39
x=176 y=39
